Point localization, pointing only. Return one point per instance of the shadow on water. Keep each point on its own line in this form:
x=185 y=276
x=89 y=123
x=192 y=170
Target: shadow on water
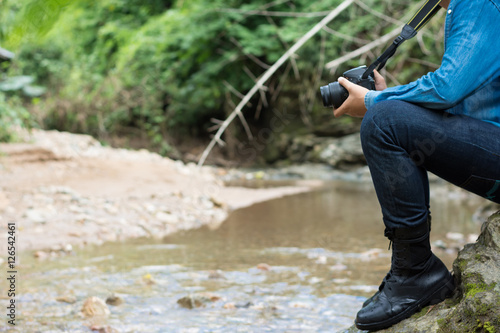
x=303 y=263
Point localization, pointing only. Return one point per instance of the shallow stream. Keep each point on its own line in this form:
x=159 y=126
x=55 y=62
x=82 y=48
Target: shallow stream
x=303 y=263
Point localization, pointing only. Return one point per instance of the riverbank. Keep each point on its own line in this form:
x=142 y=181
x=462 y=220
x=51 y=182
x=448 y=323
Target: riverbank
x=65 y=190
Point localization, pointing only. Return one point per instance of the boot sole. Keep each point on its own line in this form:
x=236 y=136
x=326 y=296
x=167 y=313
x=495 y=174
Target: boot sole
x=437 y=296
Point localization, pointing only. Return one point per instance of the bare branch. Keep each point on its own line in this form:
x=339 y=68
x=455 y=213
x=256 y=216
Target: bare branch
x=424 y=62
x=245 y=126
x=346 y=37
x=250 y=56
x=214 y=128
x=232 y=89
x=272 y=13
x=424 y=48
x=391 y=77
x=382 y=40
x=262 y=90
x=240 y=115
x=281 y=83
x=378 y=14
x=220 y=142
x=334 y=13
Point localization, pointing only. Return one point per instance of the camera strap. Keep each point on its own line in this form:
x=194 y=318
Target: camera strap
x=423 y=15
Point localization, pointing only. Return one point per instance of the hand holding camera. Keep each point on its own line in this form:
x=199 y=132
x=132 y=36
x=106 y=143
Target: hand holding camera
x=347 y=95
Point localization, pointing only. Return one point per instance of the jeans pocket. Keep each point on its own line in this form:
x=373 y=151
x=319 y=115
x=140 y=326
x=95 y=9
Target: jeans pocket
x=485 y=187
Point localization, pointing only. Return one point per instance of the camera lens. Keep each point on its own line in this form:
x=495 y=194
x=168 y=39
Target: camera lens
x=333 y=95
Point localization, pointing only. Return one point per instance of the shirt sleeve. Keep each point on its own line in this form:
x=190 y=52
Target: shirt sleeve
x=470 y=60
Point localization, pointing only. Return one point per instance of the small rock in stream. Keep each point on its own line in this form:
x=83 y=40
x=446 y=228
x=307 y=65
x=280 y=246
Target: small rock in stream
x=114 y=300
x=41 y=255
x=216 y=275
x=66 y=299
x=264 y=267
x=104 y=329
x=244 y=306
x=197 y=300
x=95 y=307
x=230 y=306
x=148 y=280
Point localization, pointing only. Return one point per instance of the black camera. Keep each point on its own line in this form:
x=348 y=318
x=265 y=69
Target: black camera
x=335 y=94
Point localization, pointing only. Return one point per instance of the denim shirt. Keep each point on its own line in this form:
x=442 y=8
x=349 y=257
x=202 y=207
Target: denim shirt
x=468 y=80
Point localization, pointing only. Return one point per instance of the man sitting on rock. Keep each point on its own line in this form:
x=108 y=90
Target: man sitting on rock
x=447 y=122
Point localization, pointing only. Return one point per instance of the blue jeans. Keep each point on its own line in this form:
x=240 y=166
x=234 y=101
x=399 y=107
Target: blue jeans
x=402 y=141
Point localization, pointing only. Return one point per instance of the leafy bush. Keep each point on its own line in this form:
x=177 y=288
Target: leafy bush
x=155 y=69
x=12 y=116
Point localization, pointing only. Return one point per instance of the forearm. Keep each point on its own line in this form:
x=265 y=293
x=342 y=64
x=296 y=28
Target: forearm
x=470 y=61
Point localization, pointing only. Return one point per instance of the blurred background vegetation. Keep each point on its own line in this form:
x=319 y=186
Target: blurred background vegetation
x=160 y=73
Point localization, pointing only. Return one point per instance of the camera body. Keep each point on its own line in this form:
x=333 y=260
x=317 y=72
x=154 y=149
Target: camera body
x=334 y=94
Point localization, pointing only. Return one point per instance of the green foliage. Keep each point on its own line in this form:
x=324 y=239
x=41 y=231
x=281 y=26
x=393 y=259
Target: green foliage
x=163 y=67
x=12 y=116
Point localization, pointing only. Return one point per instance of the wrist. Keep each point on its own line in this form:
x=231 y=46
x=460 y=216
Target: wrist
x=370 y=98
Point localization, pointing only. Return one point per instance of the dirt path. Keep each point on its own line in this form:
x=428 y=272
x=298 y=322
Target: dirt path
x=64 y=190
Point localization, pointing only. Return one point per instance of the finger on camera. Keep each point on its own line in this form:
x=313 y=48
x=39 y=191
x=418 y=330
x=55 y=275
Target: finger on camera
x=378 y=76
x=345 y=83
x=340 y=111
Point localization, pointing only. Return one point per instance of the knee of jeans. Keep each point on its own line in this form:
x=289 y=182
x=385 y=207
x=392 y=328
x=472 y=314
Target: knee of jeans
x=376 y=120
x=384 y=117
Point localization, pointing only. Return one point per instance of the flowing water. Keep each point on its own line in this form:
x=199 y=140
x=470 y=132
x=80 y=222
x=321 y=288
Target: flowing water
x=303 y=263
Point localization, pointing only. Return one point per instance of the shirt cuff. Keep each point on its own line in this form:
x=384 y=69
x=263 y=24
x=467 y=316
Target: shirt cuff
x=370 y=98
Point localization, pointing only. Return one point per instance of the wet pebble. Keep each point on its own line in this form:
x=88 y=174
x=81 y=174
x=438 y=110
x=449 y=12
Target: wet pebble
x=95 y=307
x=264 y=267
x=114 y=300
x=41 y=255
x=70 y=299
x=244 y=305
x=103 y=329
x=148 y=280
x=197 y=300
x=216 y=275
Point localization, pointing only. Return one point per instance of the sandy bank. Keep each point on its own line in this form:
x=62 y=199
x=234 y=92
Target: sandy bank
x=64 y=190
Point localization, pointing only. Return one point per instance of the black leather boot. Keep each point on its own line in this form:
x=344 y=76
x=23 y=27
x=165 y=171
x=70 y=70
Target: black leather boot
x=369 y=300
x=417 y=278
